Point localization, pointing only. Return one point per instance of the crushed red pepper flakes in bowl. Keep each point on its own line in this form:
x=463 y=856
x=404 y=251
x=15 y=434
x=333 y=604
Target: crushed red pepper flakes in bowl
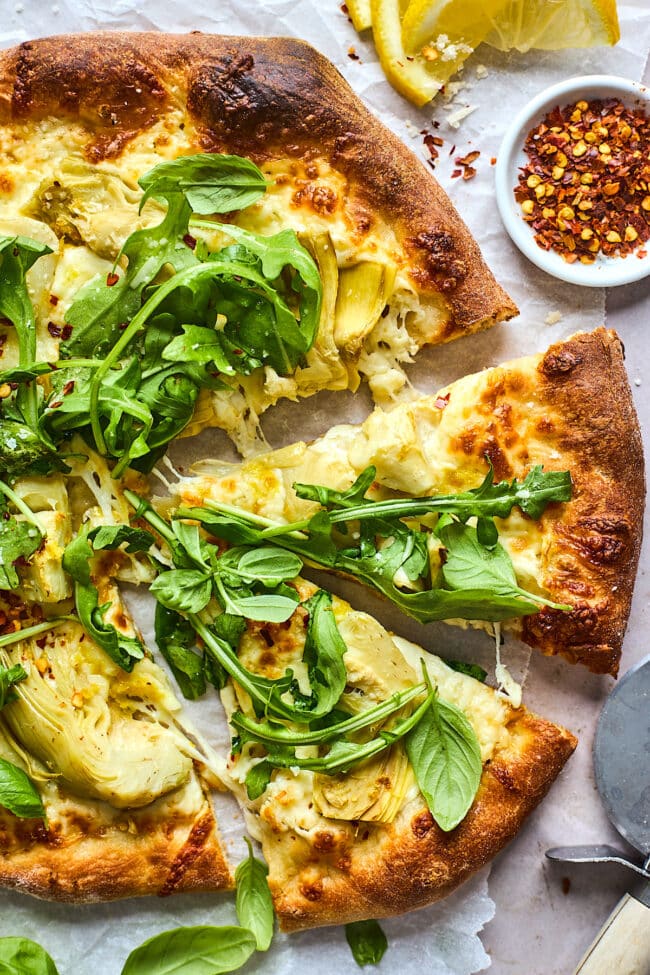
x=585 y=188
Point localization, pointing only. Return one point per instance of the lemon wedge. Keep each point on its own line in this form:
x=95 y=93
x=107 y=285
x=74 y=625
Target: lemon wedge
x=450 y=28
x=359 y=11
x=418 y=74
x=551 y=25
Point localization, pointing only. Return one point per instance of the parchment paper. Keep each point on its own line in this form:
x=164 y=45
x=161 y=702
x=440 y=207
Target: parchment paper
x=531 y=908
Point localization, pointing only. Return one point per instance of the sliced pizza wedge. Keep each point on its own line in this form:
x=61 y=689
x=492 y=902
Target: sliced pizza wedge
x=568 y=410
x=364 y=842
x=399 y=269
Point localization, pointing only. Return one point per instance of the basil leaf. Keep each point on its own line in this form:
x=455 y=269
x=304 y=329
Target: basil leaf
x=257 y=779
x=267 y=564
x=198 y=950
x=367 y=942
x=9 y=677
x=18 y=793
x=20 y=956
x=268 y=608
x=184 y=590
x=323 y=653
x=446 y=758
x=253 y=899
x=210 y=182
x=188 y=537
x=175 y=638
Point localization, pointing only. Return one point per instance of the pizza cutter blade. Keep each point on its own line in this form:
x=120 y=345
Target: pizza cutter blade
x=622 y=768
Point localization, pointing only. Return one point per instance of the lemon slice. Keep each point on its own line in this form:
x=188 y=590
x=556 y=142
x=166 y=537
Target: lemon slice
x=417 y=74
x=452 y=28
x=551 y=25
x=359 y=11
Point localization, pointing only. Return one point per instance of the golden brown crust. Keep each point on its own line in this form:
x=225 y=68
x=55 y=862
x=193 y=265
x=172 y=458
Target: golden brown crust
x=256 y=97
x=593 y=560
x=412 y=862
x=85 y=861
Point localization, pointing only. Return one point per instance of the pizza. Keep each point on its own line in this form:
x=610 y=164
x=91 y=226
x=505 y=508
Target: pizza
x=192 y=228
x=568 y=409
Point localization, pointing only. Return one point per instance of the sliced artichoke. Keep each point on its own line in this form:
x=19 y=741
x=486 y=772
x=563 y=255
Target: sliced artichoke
x=108 y=734
x=363 y=293
x=373 y=792
x=86 y=205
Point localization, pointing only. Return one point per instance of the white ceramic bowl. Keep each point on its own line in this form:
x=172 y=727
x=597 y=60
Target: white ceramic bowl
x=605 y=272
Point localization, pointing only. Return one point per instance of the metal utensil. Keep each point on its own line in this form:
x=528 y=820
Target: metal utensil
x=622 y=767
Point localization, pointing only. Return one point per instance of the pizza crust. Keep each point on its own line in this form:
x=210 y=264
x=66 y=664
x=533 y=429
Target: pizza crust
x=260 y=98
x=87 y=854
x=410 y=863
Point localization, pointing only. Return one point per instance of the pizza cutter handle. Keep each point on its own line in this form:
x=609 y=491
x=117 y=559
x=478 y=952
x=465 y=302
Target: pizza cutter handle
x=622 y=945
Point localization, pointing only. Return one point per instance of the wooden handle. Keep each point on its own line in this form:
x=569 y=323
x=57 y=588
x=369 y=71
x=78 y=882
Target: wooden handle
x=623 y=944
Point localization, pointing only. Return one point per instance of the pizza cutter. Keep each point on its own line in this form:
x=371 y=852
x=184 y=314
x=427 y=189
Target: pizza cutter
x=622 y=767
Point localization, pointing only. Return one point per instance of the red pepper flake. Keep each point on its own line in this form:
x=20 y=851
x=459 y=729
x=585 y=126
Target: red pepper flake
x=54 y=330
x=344 y=10
x=112 y=278
x=69 y=386
x=585 y=189
x=54 y=300
x=238 y=351
x=452 y=150
x=456 y=173
x=55 y=406
x=442 y=401
x=385 y=311
x=66 y=332
x=469 y=172
x=493 y=161
x=468 y=159
x=189 y=241
x=352 y=54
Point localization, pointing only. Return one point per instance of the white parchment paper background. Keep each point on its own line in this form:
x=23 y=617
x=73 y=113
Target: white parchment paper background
x=442 y=940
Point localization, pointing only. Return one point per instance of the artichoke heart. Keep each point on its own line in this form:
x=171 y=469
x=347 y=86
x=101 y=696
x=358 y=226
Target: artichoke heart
x=86 y=205
x=109 y=735
x=364 y=291
x=373 y=792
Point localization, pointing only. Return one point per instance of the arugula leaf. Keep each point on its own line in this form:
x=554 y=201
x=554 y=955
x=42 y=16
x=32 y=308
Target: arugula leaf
x=367 y=942
x=176 y=638
x=265 y=731
x=20 y=956
x=122 y=649
x=446 y=758
x=253 y=899
x=210 y=182
x=9 y=677
x=18 y=540
x=323 y=653
x=472 y=670
x=200 y=950
x=343 y=754
x=17 y=256
x=112 y=536
x=104 y=304
x=18 y=793
x=470 y=565
x=489 y=500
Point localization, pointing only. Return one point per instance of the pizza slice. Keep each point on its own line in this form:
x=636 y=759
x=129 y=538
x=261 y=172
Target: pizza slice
x=104 y=788
x=388 y=834
x=505 y=433
x=264 y=137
